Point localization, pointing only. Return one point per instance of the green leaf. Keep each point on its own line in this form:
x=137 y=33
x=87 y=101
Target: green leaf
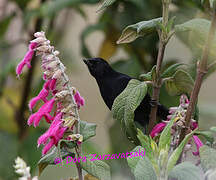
x=208 y=135
x=126 y=103
x=165 y=137
x=150 y=76
x=207 y=157
x=105 y=4
x=88 y=130
x=186 y=171
x=143 y=28
x=177 y=152
x=145 y=142
x=171 y=70
x=96 y=168
x=49 y=158
x=180 y=83
x=141 y=166
x=4 y=23
x=197 y=28
x=68 y=143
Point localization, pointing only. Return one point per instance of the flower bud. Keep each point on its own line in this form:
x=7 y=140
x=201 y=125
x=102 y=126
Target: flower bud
x=39 y=34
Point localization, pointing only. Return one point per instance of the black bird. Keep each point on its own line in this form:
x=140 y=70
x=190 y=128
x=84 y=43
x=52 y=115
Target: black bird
x=111 y=83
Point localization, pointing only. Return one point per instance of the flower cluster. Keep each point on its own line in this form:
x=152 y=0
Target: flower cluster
x=61 y=101
x=180 y=113
x=22 y=169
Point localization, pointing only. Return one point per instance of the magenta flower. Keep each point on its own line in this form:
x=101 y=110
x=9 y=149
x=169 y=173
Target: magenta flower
x=198 y=144
x=55 y=133
x=42 y=112
x=55 y=85
x=79 y=99
x=157 y=129
x=27 y=59
x=41 y=96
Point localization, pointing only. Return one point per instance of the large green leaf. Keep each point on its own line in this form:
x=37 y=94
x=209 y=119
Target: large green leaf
x=96 y=168
x=207 y=157
x=186 y=171
x=88 y=130
x=177 y=152
x=126 y=103
x=197 y=28
x=141 y=166
x=143 y=28
x=49 y=158
x=180 y=83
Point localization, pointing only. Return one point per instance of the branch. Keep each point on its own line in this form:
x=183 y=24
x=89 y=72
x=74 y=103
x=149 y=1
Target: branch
x=202 y=69
x=164 y=37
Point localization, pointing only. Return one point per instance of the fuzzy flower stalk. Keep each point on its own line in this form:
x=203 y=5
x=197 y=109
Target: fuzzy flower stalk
x=180 y=113
x=60 y=101
x=23 y=170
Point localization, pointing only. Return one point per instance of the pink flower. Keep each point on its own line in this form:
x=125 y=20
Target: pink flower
x=27 y=59
x=42 y=112
x=55 y=133
x=198 y=144
x=194 y=125
x=157 y=129
x=41 y=96
x=79 y=99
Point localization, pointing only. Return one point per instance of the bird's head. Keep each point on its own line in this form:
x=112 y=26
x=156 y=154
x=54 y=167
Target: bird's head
x=98 y=67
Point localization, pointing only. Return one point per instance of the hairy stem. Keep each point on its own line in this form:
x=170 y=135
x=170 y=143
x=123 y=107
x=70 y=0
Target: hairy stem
x=158 y=82
x=77 y=125
x=202 y=69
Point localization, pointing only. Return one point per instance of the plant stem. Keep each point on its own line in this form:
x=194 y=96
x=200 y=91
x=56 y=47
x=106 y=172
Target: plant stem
x=158 y=82
x=77 y=125
x=202 y=68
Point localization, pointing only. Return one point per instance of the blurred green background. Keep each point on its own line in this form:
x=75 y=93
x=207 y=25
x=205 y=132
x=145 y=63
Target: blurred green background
x=77 y=31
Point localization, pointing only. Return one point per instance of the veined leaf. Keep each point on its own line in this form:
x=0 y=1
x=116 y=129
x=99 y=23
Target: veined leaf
x=126 y=103
x=96 y=168
x=49 y=158
x=88 y=130
x=180 y=83
x=177 y=152
x=186 y=171
x=141 y=166
x=143 y=28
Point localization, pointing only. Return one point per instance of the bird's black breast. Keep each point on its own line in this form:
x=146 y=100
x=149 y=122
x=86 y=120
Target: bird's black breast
x=112 y=86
